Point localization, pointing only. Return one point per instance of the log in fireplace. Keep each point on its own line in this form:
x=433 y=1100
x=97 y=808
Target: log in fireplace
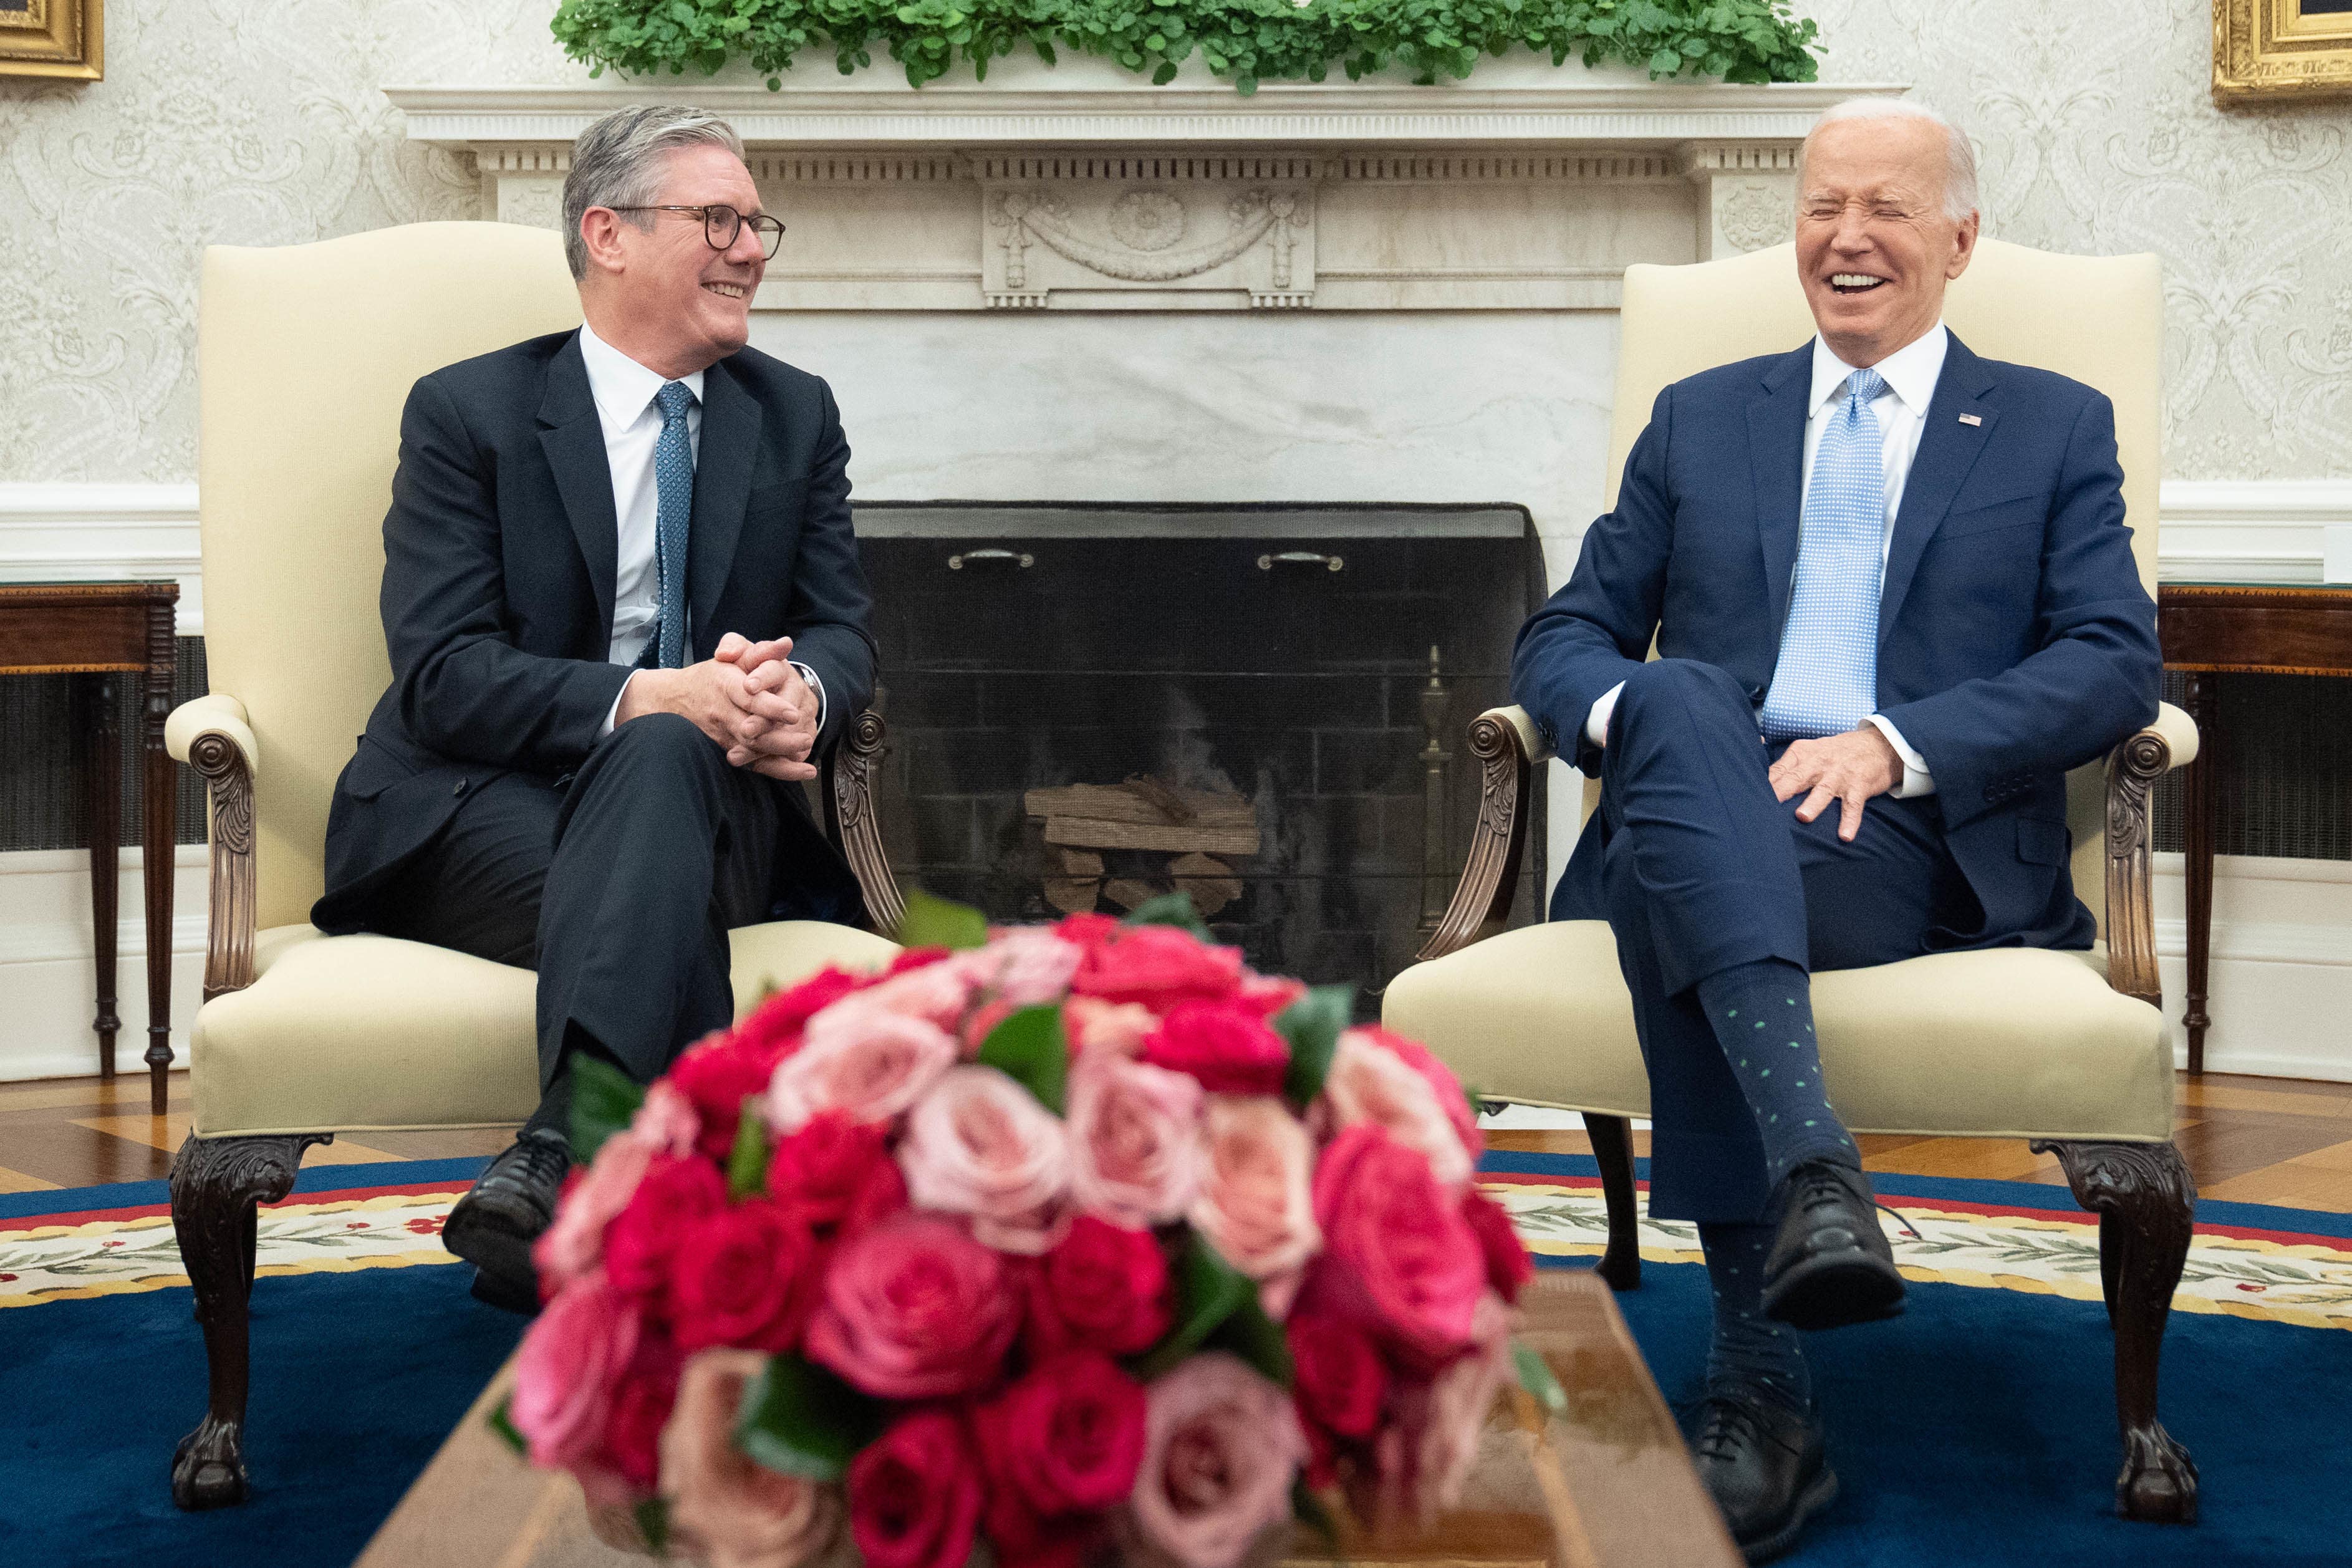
x=1262 y=706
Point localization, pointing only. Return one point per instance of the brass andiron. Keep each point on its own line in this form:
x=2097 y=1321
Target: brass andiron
x=1436 y=884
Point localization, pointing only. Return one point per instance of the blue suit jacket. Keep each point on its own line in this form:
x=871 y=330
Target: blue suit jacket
x=2014 y=638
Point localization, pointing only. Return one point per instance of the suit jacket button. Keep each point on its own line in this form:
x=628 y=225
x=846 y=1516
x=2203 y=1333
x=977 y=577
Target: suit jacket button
x=460 y=788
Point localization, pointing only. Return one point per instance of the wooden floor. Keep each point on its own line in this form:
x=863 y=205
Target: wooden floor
x=2250 y=1140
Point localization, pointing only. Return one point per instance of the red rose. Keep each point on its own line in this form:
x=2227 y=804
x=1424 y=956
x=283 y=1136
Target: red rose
x=1087 y=929
x=1022 y=1539
x=744 y=1276
x=641 y=1406
x=673 y=1195
x=914 y=1495
x=716 y=1075
x=1509 y=1267
x=916 y=1308
x=914 y=958
x=1158 y=966
x=774 y=1026
x=881 y=1195
x=1103 y=1287
x=1397 y=1256
x=820 y=1170
x=1066 y=1439
x=1228 y=1047
x=1339 y=1378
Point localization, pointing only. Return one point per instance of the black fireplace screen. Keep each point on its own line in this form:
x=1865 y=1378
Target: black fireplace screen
x=1261 y=707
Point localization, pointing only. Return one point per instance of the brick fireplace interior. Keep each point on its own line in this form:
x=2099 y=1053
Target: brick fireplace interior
x=1090 y=704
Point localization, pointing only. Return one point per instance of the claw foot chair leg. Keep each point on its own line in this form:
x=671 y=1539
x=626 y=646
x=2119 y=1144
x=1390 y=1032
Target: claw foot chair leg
x=216 y=1183
x=1612 y=1147
x=2147 y=1202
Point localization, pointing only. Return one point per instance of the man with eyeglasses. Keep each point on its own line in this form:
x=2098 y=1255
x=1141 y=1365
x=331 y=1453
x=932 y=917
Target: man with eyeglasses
x=626 y=617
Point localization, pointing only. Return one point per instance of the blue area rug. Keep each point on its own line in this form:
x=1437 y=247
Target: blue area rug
x=1977 y=1428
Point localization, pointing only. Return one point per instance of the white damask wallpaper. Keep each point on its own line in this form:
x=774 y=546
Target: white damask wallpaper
x=259 y=122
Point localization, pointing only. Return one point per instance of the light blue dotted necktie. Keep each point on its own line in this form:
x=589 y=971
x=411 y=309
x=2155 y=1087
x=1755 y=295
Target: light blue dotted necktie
x=673 y=492
x=1826 y=682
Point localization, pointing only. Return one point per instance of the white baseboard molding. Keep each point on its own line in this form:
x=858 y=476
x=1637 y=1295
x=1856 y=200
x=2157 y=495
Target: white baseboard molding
x=47 y=981
x=2280 y=971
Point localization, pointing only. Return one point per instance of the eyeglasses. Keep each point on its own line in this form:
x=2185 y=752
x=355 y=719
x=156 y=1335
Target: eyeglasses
x=722 y=225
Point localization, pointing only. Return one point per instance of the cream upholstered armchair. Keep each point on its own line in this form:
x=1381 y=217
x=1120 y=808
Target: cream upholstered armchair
x=2068 y=1050
x=305 y=356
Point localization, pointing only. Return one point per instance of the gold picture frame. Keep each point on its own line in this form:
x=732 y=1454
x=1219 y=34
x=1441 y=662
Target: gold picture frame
x=2273 y=49
x=53 y=39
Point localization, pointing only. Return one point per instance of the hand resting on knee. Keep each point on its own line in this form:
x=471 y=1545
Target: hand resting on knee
x=746 y=696
x=1849 y=769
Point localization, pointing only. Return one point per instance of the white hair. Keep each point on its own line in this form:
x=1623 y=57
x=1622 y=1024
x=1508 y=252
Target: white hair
x=1961 y=158
x=619 y=160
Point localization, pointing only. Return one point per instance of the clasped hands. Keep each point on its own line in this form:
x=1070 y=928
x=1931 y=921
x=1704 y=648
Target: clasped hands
x=747 y=696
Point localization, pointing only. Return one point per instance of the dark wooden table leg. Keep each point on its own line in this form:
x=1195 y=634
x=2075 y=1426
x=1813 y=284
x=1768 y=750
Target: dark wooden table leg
x=160 y=798
x=2205 y=707
x=92 y=699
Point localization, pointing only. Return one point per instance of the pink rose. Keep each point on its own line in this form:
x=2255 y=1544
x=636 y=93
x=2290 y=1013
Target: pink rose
x=1256 y=1205
x=574 y=1244
x=915 y=1308
x=979 y=1144
x=1424 y=1457
x=1107 y=1029
x=1156 y=964
x=1026 y=966
x=1268 y=995
x=1371 y=1084
x=938 y=993
x=1229 y=1049
x=861 y=1059
x=1452 y=1098
x=1135 y=1140
x=668 y=1120
x=1221 y=1445
x=564 y=1373
x=724 y=1507
x=775 y=1025
x=1397 y=1256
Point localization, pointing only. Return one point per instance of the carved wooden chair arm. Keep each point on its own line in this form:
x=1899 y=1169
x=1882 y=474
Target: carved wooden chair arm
x=2133 y=769
x=212 y=735
x=849 y=771
x=1508 y=746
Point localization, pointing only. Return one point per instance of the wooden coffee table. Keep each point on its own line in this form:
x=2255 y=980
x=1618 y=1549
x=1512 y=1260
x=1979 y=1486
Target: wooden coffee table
x=1604 y=1485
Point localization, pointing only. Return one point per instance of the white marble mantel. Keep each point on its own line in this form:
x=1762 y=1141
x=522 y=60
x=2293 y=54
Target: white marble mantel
x=1082 y=187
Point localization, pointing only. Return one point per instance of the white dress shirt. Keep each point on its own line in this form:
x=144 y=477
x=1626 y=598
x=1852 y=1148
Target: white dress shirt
x=1901 y=409
x=624 y=392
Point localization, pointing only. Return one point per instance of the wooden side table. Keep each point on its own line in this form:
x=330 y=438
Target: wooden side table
x=2210 y=629
x=93 y=632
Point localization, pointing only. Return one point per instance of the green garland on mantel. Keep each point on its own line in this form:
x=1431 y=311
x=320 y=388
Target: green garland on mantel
x=1243 y=41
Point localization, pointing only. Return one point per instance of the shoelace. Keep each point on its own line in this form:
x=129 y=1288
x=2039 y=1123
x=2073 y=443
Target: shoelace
x=546 y=1160
x=1825 y=1183
x=1727 y=1420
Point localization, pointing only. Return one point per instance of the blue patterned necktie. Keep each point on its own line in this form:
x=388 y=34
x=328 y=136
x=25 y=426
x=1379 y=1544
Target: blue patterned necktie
x=1826 y=681
x=673 y=492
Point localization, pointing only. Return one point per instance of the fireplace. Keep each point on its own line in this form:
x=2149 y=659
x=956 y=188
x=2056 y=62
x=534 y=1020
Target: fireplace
x=1261 y=707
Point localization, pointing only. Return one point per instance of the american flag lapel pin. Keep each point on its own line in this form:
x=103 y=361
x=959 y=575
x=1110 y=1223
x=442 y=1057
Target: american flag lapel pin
x=1971 y=419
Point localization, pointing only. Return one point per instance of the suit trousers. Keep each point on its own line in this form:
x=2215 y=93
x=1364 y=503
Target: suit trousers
x=619 y=887
x=1703 y=870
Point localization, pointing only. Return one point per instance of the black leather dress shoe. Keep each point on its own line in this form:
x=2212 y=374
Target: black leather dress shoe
x=493 y=1225
x=1762 y=1463
x=1829 y=1264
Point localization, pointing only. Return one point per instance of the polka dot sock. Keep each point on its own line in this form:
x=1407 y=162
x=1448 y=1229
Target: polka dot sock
x=1763 y=1015
x=1751 y=1351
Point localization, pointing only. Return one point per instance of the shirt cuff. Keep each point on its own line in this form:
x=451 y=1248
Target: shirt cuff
x=1596 y=723
x=614 y=713
x=815 y=685
x=1917 y=779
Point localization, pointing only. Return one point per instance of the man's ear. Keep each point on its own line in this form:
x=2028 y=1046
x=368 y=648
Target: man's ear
x=600 y=233
x=1964 y=247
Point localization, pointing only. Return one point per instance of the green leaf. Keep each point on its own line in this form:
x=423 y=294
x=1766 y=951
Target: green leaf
x=1208 y=1290
x=941 y=923
x=802 y=1420
x=604 y=1098
x=1169 y=908
x=747 y=1161
x=653 y=1521
x=1028 y=1047
x=1256 y=1339
x=1308 y=1510
x=1536 y=1377
x=1312 y=1026
x=502 y=1423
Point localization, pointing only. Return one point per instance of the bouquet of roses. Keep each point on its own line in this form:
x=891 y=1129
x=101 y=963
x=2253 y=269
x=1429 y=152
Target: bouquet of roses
x=1074 y=1241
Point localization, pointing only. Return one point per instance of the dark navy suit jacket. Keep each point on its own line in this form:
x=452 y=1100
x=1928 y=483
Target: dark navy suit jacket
x=501 y=553
x=2014 y=638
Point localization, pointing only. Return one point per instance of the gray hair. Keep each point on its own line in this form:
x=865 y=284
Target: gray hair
x=618 y=163
x=1961 y=165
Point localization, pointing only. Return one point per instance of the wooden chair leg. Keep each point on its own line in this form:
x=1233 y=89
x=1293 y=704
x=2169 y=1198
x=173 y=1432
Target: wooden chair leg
x=216 y=1183
x=2147 y=1204
x=1612 y=1145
